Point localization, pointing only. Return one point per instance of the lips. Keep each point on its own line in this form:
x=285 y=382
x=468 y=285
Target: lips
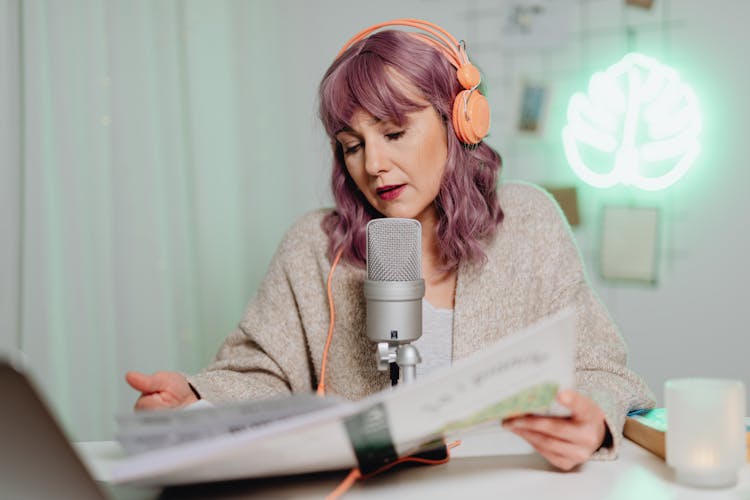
x=390 y=192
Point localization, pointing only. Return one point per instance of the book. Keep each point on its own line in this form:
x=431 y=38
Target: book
x=297 y=434
x=648 y=428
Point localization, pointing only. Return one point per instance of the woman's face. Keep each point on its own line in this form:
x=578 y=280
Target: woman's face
x=399 y=168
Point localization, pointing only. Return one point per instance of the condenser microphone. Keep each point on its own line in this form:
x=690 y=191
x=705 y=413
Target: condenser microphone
x=394 y=289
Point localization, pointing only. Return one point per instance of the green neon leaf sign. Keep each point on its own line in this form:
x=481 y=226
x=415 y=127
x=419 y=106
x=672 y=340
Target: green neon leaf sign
x=638 y=125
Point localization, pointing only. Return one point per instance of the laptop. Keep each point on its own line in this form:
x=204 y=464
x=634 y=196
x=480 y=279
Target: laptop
x=36 y=459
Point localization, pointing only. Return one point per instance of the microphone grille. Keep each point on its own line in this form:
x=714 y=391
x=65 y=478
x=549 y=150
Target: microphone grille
x=394 y=250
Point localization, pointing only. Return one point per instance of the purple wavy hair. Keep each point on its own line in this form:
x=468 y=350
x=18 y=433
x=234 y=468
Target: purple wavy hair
x=467 y=206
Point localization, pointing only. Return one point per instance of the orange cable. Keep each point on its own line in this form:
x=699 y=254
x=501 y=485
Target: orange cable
x=322 y=383
x=355 y=474
x=347 y=483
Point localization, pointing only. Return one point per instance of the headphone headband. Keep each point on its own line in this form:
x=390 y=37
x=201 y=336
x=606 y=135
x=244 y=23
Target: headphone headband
x=434 y=35
x=471 y=112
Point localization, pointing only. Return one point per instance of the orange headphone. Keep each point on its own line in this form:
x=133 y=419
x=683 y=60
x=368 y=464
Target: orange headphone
x=471 y=111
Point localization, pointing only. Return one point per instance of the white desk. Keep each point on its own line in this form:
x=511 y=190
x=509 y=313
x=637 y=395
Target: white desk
x=637 y=474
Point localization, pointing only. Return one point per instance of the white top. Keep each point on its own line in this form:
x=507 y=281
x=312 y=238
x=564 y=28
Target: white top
x=435 y=346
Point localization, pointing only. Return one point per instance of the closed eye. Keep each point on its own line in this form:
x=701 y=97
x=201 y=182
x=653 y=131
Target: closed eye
x=395 y=135
x=351 y=148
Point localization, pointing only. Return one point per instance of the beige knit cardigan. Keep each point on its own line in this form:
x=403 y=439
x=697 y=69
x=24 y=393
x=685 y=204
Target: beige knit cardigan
x=533 y=269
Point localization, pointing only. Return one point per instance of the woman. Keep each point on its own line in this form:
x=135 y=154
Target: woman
x=404 y=146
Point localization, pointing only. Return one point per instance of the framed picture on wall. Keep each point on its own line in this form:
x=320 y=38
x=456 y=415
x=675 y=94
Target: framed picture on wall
x=533 y=106
x=645 y=4
x=629 y=244
x=567 y=198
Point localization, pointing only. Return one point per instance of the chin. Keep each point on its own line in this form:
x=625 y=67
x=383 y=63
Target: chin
x=400 y=209
x=399 y=213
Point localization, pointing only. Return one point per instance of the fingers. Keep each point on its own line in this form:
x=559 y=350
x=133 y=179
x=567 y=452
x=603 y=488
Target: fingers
x=158 y=382
x=565 y=461
x=581 y=407
x=150 y=402
x=153 y=401
x=557 y=428
x=159 y=400
x=161 y=390
x=142 y=382
x=587 y=434
x=562 y=454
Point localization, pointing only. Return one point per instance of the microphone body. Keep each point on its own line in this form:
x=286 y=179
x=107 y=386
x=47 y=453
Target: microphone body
x=394 y=310
x=394 y=289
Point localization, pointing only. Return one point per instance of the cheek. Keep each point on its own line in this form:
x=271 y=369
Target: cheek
x=357 y=175
x=353 y=172
x=437 y=180
x=435 y=163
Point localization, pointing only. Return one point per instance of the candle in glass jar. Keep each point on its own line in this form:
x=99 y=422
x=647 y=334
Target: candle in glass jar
x=705 y=442
x=703 y=458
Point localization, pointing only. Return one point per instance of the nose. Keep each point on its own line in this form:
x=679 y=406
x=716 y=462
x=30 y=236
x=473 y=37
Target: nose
x=376 y=162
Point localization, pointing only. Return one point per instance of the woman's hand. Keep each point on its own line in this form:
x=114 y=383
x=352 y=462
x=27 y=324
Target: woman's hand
x=564 y=442
x=161 y=390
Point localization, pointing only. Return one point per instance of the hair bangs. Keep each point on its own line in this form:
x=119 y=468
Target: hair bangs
x=366 y=82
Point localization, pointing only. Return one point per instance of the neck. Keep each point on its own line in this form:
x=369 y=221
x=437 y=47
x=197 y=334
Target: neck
x=440 y=285
x=430 y=253
x=432 y=264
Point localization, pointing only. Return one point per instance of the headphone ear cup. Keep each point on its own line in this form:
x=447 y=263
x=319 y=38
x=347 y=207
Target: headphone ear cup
x=471 y=116
x=468 y=76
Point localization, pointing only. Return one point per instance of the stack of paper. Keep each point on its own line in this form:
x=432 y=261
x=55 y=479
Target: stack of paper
x=520 y=374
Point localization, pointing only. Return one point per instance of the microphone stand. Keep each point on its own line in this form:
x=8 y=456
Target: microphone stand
x=400 y=359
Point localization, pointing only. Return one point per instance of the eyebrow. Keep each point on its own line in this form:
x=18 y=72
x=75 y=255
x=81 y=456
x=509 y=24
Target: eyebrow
x=347 y=128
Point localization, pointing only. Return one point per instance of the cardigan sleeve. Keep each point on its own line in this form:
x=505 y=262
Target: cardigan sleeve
x=602 y=371
x=268 y=352
x=601 y=363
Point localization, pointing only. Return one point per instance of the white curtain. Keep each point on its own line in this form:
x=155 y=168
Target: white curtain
x=10 y=173
x=148 y=172
x=152 y=154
